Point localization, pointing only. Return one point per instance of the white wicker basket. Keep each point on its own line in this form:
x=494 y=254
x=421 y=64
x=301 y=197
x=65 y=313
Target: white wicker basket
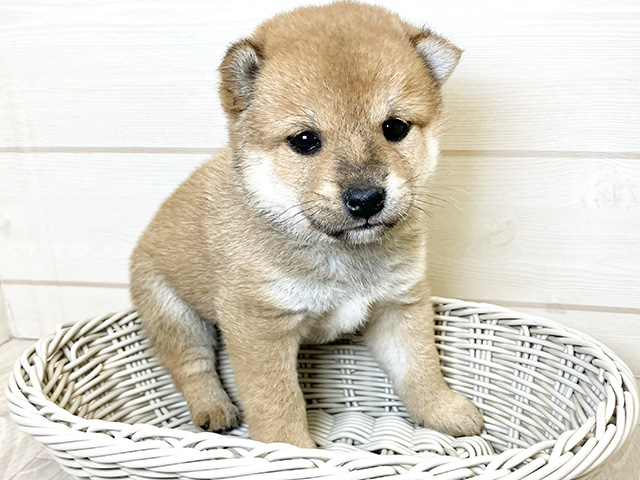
x=557 y=404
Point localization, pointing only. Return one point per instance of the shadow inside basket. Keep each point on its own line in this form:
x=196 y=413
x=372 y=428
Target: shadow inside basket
x=530 y=383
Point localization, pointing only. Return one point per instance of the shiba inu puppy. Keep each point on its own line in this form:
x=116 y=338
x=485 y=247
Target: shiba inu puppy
x=309 y=225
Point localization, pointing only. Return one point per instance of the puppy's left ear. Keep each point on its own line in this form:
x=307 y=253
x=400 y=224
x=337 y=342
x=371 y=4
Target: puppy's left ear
x=440 y=55
x=238 y=73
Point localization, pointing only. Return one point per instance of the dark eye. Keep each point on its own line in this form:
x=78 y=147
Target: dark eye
x=305 y=143
x=395 y=130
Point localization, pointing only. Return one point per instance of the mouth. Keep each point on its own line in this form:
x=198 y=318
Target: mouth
x=353 y=230
x=364 y=232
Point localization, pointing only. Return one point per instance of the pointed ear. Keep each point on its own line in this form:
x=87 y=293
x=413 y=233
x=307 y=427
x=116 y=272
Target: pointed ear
x=238 y=72
x=440 y=55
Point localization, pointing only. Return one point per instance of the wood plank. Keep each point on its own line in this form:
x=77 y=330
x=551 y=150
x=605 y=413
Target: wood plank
x=545 y=230
x=518 y=229
x=550 y=75
x=36 y=310
x=76 y=217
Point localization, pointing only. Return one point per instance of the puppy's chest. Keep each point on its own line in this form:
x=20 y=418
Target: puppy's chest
x=335 y=297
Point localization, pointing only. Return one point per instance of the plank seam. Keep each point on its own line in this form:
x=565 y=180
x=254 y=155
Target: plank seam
x=506 y=303
x=63 y=283
x=560 y=306
x=212 y=150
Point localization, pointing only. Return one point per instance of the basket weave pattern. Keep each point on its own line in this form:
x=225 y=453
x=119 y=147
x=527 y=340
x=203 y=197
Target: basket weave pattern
x=556 y=404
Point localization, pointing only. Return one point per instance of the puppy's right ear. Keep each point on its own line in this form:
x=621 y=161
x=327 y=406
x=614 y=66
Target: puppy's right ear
x=440 y=55
x=238 y=71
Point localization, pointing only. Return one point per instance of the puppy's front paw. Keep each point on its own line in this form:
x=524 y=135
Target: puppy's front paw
x=215 y=416
x=451 y=413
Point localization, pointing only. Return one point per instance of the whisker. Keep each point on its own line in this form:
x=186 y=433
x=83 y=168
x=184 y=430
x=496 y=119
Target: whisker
x=434 y=194
x=447 y=202
x=320 y=195
x=426 y=212
x=446 y=124
x=301 y=213
x=297 y=205
x=431 y=204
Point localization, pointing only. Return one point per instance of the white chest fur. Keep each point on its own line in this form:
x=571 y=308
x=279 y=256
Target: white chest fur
x=335 y=291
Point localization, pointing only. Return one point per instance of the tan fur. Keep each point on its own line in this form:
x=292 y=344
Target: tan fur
x=251 y=241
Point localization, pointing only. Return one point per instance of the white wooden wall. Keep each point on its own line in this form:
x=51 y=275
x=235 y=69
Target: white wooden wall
x=106 y=106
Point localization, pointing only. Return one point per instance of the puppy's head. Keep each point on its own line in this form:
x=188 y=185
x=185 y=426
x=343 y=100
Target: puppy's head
x=332 y=115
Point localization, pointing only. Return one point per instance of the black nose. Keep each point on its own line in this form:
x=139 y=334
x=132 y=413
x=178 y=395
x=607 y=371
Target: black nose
x=364 y=202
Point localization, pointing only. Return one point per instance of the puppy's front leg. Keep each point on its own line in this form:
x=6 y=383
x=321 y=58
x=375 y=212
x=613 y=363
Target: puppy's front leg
x=265 y=366
x=401 y=337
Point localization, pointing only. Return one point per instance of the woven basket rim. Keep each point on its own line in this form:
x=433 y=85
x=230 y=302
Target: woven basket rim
x=35 y=413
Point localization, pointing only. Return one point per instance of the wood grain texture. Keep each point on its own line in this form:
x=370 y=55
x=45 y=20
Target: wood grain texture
x=37 y=309
x=537 y=76
x=22 y=459
x=105 y=107
x=76 y=217
x=557 y=232
x=522 y=229
x=551 y=230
